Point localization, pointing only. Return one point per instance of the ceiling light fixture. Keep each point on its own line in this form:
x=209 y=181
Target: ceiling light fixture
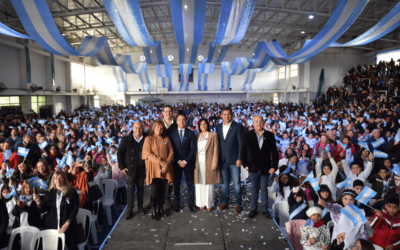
x=311 y=16
x=63 y=34
x=185 y=6
x=303 y=32
x=187 y=49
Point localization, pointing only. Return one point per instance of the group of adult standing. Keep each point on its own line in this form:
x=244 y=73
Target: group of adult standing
x=168 y=149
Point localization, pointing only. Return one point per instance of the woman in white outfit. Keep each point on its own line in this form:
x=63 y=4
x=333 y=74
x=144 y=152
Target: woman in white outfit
x=206 y=172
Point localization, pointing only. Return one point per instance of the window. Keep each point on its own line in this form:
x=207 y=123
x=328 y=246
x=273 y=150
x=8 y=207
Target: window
x=9 y=101
x=37 y=102
x=281 y=71
x=294 y=70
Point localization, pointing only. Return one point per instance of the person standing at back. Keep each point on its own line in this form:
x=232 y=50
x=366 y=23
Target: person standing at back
x=258 y=146
x=230 y=136
x=185 y=146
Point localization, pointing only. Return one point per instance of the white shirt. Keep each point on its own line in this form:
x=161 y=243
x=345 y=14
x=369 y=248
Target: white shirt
x=225 y=129
x=260 y=139
x=167 y=126
x=136 y=139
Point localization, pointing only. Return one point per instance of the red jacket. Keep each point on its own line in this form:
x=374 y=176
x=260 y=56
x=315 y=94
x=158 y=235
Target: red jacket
x=14 y=159
x=339 y=149
x=387 y=230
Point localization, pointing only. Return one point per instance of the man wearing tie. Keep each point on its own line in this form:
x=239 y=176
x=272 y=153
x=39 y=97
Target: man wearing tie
x=184 y=144
x=258 y=146
x=230 y=136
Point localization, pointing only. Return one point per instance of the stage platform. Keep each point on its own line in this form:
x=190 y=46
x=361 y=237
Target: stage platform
x=215 y=230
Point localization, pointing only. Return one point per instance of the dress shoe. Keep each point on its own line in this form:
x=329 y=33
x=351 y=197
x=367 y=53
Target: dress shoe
x=141 y=211
x=128 y=215
x=252 y=214
x=177 y=208
x=161 y=212
x=154 y=214
x=238 y=209
x=267 y=215
x=223 y=206
x=192 y=208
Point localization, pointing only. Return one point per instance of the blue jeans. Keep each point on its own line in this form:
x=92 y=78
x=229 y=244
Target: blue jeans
x=259 y=181
x=228 y=173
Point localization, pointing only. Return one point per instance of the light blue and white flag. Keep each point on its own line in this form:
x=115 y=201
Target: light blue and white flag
x=23 y=151
x=250 y=76
x=309 y=178
x=396 y=169
x=397 y=137
x=365 y=195
x=36 y=181
x=378 y=142
x=80 y=144
x=7 y=154
x=70 y=159
x=346 y=183
x=109 y=140
x=364 y=145
x=43 y=145
x=379 y=154
x=354 y=214
x=314 y=183
x=184 y=70
x=61 y=164
x=12 y=193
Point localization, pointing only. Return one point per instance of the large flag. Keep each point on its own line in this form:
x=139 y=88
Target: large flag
x=346 y=183
x=36 y=182
x=379 y=154
x=43 y=145
x=7 y=154
x=23 y=151
x=366 y=194
x=314 y=183
x=377 y=143
x=354 y=214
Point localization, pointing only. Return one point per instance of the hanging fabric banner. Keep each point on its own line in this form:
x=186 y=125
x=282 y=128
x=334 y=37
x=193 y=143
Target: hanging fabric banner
x=234 y=19
x=225 y=80
x=53 y=76
x=251 y=75
x=389 y=23
x=204 y=69
x=165 y=72
x=165 y=81
x=184 y=70
x=153 y=54
x=28 y=62
x=5 y=30
x=128 y=19
x=216 y=53
x=188 y=17
x=343 y=16
x=240 y=66
x=120 y=79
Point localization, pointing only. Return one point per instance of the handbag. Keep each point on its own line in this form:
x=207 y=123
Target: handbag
x=94 y=192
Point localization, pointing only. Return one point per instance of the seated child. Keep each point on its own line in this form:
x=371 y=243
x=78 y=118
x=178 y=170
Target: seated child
x=382 y=184
x=297 y=205
x=386 y=224
x=315 y=236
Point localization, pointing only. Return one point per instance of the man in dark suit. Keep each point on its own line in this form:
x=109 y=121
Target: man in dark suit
x=131 y=163
x=257 y=147
x=230 y=136
x=184 y=144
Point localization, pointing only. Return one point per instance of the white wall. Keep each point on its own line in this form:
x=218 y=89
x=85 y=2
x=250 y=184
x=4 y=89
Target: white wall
x=336 y=62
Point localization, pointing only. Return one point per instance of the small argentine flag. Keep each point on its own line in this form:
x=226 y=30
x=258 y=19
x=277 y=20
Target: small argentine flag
x=13 y=192
x=70 y=159
x=377 y=143
x=379 y=154
x=80 y=144
x=396 y=169
x=309 y=177
x=364 y=145
x=43 y=145
x=346 y=183
x=366 y=194
x=354 y=214
x=23 y=151
x=114 y=157
x=314 y=183
x=397 y=137
x=109 y=140
x=38 y=182
x=61 y=164
x=7 y=154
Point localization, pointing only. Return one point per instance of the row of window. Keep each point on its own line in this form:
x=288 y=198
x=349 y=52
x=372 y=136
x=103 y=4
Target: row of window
x=36 y=101
x=293 y=71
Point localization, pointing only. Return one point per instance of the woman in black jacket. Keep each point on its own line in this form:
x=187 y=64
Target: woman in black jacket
x=61 y=193
x=3 y=225
x=25 y=204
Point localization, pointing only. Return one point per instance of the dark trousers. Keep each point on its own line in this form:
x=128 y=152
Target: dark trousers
x=135 y=184
x=189 y=174
x=158 y=192
x=120 y=197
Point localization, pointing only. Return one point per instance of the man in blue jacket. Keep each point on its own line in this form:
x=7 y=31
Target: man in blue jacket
x=230 y=136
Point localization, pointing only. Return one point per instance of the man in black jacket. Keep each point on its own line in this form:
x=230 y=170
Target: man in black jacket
x=131 y=163
x=257 y=147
